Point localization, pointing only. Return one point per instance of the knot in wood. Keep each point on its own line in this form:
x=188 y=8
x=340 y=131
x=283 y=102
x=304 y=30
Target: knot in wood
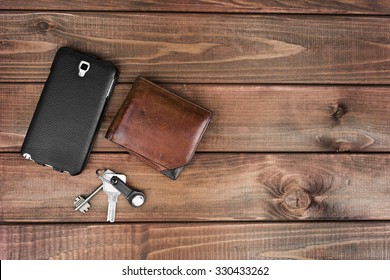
x=296 y=200
x=338 y=112
x=43 y=26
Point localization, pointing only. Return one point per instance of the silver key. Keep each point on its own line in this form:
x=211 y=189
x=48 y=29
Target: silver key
x=112 y=194
x=82 y=204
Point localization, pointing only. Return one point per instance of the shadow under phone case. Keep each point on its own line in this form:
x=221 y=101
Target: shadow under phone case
x=69 y=112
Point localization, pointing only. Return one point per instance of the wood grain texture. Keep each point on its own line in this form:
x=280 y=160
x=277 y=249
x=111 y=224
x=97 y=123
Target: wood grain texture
x=197 y=241
x=222 y=204
x=203 y=48
x=377 y=7
x=214 y=187
x=246 y=118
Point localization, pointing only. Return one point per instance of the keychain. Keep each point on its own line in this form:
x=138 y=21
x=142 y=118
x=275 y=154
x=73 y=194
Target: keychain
x=113 y=185
x=135 y=198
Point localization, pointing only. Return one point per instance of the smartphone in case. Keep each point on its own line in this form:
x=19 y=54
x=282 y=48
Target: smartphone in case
x=69 y=111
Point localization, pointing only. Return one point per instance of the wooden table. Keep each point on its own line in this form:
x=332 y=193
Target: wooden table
x=295 y=163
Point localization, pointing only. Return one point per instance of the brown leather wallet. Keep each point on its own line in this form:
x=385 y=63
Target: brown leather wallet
x=159 y=127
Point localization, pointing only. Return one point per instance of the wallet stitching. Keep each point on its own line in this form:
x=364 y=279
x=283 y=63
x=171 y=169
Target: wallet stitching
x=197 y=142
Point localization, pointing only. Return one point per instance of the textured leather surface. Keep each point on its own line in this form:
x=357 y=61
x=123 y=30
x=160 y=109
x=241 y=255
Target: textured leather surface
x=159 y=127
x=69 y=112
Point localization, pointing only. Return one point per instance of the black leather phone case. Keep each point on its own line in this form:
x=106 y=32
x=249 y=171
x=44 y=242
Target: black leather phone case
x=69 y=112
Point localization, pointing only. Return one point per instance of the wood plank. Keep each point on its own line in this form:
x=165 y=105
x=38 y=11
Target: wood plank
x=214 y=187
x=246 y=118
x=197 y=241
x=380 y=7
x=203 y=48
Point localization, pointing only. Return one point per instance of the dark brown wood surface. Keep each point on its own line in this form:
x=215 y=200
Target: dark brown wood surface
x=294 y=165
x=214 y=187
x=203 y=48
x=375 y=7
x=246 y=118
x=197 y=241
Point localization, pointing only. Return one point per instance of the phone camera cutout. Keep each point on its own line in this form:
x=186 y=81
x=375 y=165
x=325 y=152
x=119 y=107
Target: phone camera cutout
x=83 y=68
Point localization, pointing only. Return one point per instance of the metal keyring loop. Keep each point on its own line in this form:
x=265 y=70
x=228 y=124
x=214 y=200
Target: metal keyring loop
x=101 y=177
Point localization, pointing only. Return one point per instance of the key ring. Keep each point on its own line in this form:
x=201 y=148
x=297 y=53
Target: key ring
x=101 y=177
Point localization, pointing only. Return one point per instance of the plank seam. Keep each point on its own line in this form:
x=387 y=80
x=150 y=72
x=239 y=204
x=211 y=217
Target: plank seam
x=356 y=14
x=89 y=223
x=226 y=84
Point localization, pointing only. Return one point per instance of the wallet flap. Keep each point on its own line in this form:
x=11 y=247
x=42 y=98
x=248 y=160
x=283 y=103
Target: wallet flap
x=159 y=125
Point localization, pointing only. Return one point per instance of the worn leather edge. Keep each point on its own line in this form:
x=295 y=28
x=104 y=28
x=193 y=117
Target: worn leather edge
x=114 y=125
x=170 y=173
x=150 y=162
x=173 y=173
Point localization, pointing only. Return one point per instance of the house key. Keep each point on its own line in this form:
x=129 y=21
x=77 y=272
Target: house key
x=82 y=203
x=112 y=193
